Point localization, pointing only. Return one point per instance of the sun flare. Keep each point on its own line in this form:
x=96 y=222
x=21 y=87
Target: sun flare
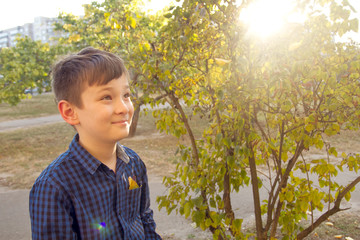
x=265 y=17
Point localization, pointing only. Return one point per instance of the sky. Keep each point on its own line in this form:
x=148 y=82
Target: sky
x=18 y=12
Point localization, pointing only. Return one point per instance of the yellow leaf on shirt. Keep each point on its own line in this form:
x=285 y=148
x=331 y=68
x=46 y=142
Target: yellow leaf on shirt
x=132 y=184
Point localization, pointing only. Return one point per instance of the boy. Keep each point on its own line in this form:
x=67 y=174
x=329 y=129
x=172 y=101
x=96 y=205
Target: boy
x=97 y=189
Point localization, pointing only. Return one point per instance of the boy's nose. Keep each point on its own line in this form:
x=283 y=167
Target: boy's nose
x=121 y=107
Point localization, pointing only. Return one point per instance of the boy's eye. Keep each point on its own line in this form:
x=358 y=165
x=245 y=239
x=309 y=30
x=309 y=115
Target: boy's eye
x=127 y=95
x=107 y=97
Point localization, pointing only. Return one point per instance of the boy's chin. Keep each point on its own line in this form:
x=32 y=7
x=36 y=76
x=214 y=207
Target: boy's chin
x=123 y=136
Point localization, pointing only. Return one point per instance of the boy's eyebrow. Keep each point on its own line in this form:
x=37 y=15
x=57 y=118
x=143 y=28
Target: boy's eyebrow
x=106 y=88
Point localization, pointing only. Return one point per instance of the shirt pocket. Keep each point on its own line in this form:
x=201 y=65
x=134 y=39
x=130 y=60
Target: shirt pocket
x=132 y=202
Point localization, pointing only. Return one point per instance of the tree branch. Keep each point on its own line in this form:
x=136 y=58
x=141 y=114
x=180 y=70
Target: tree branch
x=332 y=211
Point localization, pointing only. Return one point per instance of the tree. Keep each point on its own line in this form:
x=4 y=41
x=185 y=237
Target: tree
x=266 y=105
x=26 y=65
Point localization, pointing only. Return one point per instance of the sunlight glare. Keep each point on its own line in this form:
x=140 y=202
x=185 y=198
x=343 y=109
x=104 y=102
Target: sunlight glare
x=153 y=6
x=266 y=18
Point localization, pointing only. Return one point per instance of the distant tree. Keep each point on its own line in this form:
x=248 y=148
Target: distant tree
x=23 y=66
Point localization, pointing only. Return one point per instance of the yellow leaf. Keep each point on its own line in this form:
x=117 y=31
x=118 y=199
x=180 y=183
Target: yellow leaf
x=74 y=38
x=329 y=224
x=295 y=46
x=338 y=236
x=132 y=184
x=289 y=196
x=132 y=23
x=309 y=127
x=67 y=26
x=221 y=62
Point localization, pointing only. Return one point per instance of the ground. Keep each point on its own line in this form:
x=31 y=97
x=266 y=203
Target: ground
x=24 y=153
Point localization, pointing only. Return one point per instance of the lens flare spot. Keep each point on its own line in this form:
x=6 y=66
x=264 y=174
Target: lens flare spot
x=101 y=226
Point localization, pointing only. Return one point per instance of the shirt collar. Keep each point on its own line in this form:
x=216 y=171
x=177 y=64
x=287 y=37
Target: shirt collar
x=121 y=154
x=89 y=161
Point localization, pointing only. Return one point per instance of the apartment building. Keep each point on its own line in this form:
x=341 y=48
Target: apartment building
x=41 y=29
x=8 y=36
x=44 y=29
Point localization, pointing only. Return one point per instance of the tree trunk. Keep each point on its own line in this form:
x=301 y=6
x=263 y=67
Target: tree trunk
x=256 y=196
x=226 y=196
x=134 y=122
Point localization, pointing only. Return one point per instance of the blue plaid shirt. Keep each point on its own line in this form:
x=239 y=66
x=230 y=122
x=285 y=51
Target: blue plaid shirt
x=78 y=197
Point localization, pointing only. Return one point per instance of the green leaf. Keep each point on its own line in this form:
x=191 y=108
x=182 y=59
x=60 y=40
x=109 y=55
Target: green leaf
x=309 y=127
x=187 y=209
x=168 y=15
x=289 y=196
x=348 y=196
x=236 y=225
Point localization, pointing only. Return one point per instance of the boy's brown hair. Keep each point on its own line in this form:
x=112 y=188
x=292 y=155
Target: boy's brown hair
x=89 y=67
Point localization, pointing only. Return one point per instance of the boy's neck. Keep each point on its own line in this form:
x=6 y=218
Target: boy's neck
x=105 y=153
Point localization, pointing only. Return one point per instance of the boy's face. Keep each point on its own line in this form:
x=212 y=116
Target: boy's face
x=106 y=112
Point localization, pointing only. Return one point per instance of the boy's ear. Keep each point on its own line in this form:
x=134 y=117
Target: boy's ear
x=68 y=113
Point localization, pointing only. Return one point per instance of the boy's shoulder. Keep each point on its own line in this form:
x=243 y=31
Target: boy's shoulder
x=56 y=168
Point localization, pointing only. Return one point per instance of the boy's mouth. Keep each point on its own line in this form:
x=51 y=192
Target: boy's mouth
x=120 y=122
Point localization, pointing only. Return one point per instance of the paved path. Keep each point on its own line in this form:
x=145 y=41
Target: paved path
x=15 y=221
x=29 y=122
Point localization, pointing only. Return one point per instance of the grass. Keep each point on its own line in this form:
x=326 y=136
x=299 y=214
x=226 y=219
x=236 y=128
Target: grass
x=36 y=106
x=345 y=224
x=25 y=153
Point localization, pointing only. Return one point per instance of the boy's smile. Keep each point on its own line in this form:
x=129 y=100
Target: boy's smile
x=106 y=112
